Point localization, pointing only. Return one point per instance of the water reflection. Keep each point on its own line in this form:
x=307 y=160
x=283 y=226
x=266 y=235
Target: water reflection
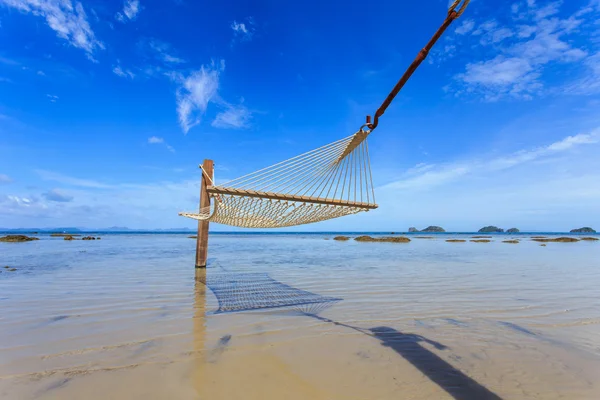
x=199 y=369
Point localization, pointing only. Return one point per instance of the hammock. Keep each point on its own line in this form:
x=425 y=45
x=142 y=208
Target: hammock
x=329 y=182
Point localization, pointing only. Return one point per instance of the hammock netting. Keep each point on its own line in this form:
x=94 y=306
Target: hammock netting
x=329 y=182
x=256 y=291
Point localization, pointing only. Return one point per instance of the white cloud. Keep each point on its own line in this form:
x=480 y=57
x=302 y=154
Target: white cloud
x=5 y=178
x=590 y=83
x=424 y=176
x=159 y=140
x=163 y=51
x=124 y=73
x=243 y=31
x=66 y=18
x=235 y=117
x=518 y=68
x=195 y=92
x=41 y=73
x=155 y=140
x=466 y=27
x=52 y=98
x=131 y=9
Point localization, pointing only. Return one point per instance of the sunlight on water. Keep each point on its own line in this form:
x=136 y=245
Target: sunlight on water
x=124 y=317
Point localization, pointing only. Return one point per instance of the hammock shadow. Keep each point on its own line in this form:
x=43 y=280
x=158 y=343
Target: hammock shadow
x=408 y=345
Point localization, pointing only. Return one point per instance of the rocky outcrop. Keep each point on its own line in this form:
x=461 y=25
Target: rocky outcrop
x=510 y=241
x=63 y=234
x=491 y=229
x=88 y=238
x=433 y=228
x=341 y=238
x=17 y=238
x=481 y=240
x=456 y=240
x=591 y=239
x=583 y=230
x=399 y=239
x=69 y=237
x=513 y=230
x=413 y=229
x=560 y=239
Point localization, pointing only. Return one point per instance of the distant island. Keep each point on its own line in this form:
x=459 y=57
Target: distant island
x=491 y=229
x=513 y=230
x=428 y=229
x=583 y=230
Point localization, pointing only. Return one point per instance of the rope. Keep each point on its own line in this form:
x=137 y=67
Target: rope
x=453 y=14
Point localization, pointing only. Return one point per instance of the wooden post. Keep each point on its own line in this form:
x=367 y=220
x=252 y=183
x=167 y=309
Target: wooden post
x=202 y=240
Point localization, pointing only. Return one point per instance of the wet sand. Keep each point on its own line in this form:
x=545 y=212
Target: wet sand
x=126 y=318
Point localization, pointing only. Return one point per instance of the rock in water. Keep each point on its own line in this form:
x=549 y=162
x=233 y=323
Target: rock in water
x=433 y=228
x=510 y=241
x=491 y=229
x=69 y=237
x=17 y=238
x=399 y=239
x=481 y=240
x=583 y=230
x=456 y=240
x=341 y=238
x=513 y=230
x=589 y=238
x=413 y=229
x=560 y=239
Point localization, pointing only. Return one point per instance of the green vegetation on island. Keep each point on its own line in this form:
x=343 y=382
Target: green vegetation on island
x=512 y=230
x=586 y=229
x=491 y=229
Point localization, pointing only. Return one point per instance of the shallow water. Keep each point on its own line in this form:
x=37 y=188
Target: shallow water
x=124 y=317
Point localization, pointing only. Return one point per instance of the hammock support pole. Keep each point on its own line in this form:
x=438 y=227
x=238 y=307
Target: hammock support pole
x=202 y=239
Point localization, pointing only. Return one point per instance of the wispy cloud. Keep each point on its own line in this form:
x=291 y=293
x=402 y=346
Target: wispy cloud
x=159 y=140
x=426 y=176
x=465 y=27
x=53 y=98
x=5 y=178
x=66 y=18
x=236 y=117
x=131 y=8
x=124 y=73
x=164 y=52
x=194 y=93
x=538 y=40
x=67 y=180
x=243 y=31
x=58 y=196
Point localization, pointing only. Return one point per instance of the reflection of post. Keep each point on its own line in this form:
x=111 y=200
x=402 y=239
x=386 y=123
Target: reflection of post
x=199 y=372
x=202 y=240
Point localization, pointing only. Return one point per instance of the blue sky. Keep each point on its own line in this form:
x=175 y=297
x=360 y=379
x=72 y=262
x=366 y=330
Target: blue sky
x=108 y=107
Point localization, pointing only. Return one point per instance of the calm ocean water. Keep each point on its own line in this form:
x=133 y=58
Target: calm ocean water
x=124 y=317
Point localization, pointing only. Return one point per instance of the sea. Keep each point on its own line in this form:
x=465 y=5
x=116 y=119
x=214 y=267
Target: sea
x=300 y=316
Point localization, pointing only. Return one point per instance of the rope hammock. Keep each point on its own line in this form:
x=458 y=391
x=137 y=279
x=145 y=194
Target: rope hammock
x=329 y=182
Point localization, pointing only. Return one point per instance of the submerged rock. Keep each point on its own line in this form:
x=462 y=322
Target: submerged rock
x=455 y=240
x=17 y=238
x=193 y=237
x=481 y=237
x=399 y=239
x=490 y=229
x=12 y=269
x=424 y=237
x=586 y=229
x=481 y=241
x=538 y=237
x=341 y=238
x=88 y=238
x=544 y=244
x=560 y=239
x=69 y=238
x=589 y=238
x=433 y=228
x=510 y=241
x=513 y=230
